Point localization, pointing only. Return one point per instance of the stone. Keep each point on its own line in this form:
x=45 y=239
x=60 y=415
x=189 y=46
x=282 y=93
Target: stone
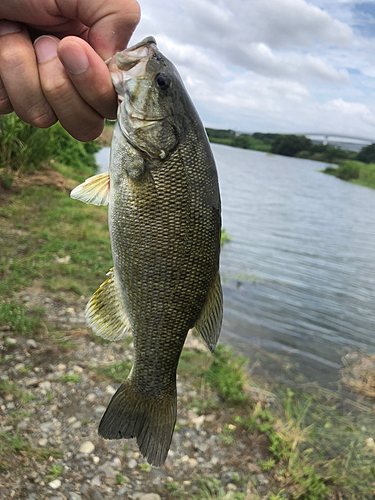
x=132 y=464
x=95 y=460
x=231 y=487
x=74 y=496
x=31 y=343
x=95 y=481
x=110 y=472
x=91 y=397
x=55 y=484
x=10 y=341
x=47 y=427
x=19 y=366
x=71 y=420
x=110 y=390
x=87 y=447
x=146 y=496
x=46 y=385
x=96 y=495
x=100 y=409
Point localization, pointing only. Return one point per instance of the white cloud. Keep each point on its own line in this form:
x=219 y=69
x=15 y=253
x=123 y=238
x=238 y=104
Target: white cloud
x=271 y=65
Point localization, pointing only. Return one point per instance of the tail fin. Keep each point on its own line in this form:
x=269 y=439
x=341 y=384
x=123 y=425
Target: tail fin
x=151 y=421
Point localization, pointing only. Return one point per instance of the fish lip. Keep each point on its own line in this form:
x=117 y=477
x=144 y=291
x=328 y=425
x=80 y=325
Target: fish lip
x=130 y=57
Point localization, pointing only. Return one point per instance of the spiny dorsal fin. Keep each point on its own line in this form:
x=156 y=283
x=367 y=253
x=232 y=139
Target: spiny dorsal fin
x=105 y=313
x=209 y=322
x=94 y=190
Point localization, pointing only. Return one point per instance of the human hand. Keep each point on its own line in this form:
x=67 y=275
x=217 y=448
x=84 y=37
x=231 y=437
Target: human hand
x=67 y=79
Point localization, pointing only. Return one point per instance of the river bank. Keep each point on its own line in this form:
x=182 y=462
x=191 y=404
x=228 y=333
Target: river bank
x=238 y=435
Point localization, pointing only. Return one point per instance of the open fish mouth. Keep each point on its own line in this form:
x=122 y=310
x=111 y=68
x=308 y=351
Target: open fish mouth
x=131 y=62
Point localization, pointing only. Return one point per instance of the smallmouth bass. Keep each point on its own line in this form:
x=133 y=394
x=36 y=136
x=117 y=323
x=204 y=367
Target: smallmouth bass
x=164 y=217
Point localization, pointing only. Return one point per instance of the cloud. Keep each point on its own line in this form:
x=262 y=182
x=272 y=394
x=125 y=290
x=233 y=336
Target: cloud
x=276 y=65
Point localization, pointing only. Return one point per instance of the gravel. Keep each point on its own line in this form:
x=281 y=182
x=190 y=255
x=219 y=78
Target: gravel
x=61 y=454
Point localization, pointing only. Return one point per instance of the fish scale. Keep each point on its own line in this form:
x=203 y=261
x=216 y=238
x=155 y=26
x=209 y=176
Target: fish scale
x=164 y=222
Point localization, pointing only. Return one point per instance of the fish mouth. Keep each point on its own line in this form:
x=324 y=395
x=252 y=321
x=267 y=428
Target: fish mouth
x=131 y=62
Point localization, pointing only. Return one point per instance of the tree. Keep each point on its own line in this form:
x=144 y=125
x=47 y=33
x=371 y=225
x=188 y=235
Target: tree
x=367 y=154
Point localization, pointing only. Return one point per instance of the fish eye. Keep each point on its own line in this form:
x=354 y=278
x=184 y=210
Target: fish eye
x=163 y=81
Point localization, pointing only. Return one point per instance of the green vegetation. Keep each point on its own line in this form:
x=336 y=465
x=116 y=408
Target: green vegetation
x=24 y=148
x=281 y=144
x=354 y=171
x=244 y=141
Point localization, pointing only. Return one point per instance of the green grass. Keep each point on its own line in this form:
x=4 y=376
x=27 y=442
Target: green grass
x=25 y=148
x=56 y=227
x=117 y=372
x=70 y=377
x=54 y=472
x=354 y=171
x=15 y=316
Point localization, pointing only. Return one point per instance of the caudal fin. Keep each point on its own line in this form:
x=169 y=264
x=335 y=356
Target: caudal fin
x=151 y=421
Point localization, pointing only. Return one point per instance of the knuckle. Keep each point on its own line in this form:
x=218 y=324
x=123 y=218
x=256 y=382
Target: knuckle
x=42 y=120
x=88 y=133
x=56 y=90
x=12 y=57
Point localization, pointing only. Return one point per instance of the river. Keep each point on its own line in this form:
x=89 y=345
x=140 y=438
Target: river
x=299 y=273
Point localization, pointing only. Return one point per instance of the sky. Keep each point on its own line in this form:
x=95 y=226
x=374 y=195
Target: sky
x=284 y=66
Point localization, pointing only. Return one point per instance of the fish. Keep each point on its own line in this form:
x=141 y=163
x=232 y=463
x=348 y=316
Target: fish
x=164 y=218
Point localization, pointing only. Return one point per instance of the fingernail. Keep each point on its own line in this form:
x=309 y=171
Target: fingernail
x=74 y=58
x=45 y=48
x=8 y=27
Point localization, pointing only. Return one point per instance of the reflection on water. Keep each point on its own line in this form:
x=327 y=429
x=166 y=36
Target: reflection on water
x=299 y=273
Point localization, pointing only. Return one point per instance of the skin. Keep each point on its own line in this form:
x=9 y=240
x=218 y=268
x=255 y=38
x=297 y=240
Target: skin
x=52 y=55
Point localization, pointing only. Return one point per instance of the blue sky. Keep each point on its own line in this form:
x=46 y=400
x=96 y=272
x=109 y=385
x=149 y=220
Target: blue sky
x=272 y=65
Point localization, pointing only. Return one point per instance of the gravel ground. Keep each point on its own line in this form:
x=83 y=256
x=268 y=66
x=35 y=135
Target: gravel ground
x=52 y=397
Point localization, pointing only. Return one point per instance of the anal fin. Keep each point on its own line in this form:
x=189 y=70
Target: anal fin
x=209 y=322
x=105 y=313
x=94 y=190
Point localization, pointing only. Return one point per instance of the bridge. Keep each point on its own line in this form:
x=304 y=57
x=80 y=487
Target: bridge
x=331 y=137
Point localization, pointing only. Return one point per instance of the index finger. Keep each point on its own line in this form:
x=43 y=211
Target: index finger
x=111 y=22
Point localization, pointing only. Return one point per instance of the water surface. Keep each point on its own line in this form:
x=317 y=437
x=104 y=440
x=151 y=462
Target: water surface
x=299 y=273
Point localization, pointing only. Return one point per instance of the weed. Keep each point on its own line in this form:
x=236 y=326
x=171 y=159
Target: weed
x=15 y=316
x=145 y=467
x=121 y=479
x=70 y=377
x=226 y=376
x=43 y=454
x=54 y=472
x=267 y=464
x=226 y=435
x=117 y=371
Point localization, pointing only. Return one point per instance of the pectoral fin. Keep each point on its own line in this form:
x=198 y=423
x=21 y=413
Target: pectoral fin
x=105 y=313
x=209 y=322
x=94 y=190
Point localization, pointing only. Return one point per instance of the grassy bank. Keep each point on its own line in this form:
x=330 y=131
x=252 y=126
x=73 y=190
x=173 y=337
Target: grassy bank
x=313 y=446
x=354 y=171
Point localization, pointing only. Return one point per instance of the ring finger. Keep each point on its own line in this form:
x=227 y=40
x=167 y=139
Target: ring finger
x=74 y=114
